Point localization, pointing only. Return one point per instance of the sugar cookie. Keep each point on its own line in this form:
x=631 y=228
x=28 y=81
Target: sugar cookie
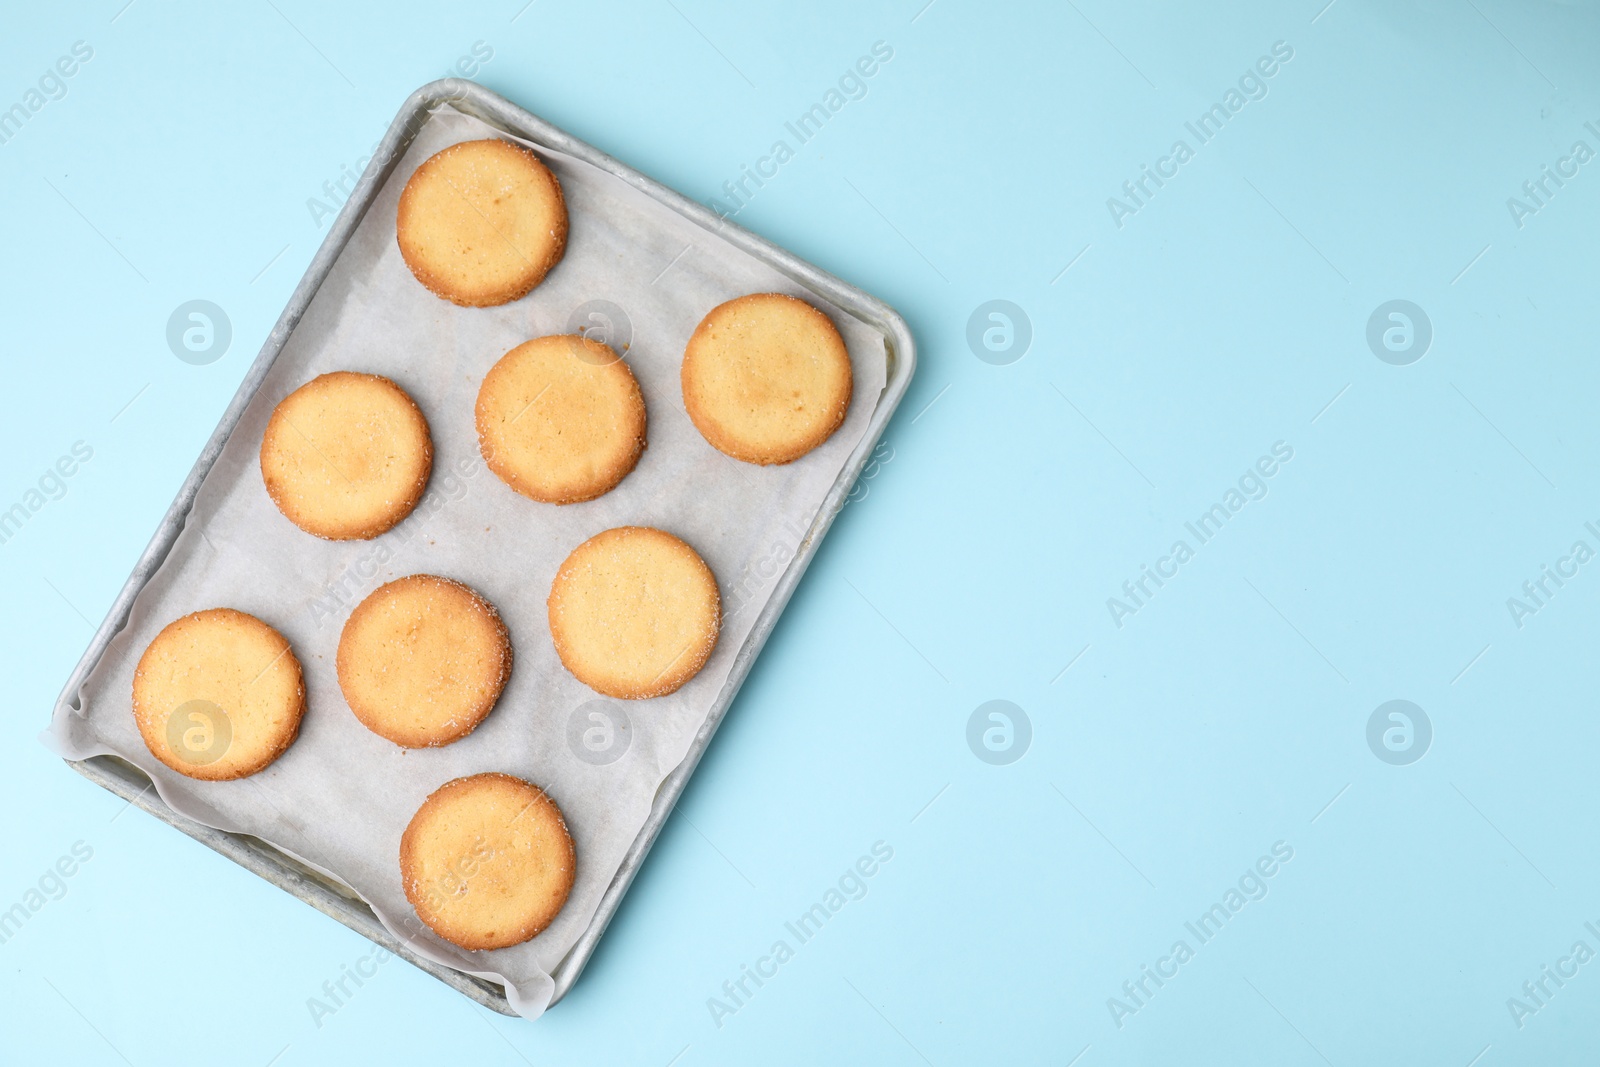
x=346 y=456
x=218 y=695
x=766 y=378
x=487 y=861
x=482 y=222
x=422 y=661
x=634 y=612
x=561 y=419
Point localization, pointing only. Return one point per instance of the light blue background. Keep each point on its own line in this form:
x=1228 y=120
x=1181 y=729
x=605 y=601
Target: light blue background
x=1223 y=717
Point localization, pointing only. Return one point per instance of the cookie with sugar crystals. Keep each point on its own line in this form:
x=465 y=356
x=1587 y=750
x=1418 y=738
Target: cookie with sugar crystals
x=346 y=456
x=422 y=661
x=561 y=419
x=634 y=612
x=487 y=861
x=482 y=222
x=218 y=695
x=766 y=378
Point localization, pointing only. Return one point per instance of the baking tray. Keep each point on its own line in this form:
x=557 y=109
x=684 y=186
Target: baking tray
x=327 y=895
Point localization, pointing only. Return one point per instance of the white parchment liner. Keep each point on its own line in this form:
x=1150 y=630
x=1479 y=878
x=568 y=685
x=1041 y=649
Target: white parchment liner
x=341 y=796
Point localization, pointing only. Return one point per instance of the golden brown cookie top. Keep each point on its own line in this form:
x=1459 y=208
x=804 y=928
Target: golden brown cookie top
x=766 y=378
x=346 y=456
x=634 y=612
x=482 y=222
x=422 y=660
x=218 y=695
x=561 y=419
x=487 y=861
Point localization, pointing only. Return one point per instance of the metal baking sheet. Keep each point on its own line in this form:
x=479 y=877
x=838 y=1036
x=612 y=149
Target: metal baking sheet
x=328 y=895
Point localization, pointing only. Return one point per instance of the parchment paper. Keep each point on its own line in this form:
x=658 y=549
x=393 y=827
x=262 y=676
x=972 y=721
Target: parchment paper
x=341 y=796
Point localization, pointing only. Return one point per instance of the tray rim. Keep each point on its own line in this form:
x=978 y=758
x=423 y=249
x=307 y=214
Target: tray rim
x=259 y=857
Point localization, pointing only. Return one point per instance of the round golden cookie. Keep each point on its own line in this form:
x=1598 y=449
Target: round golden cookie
x=482 y=222
x=487 y=861
x=561 y=419
x=422 y=661
x=634 y=612
x=766 y=378
x=218 y=695
x=346 y=456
